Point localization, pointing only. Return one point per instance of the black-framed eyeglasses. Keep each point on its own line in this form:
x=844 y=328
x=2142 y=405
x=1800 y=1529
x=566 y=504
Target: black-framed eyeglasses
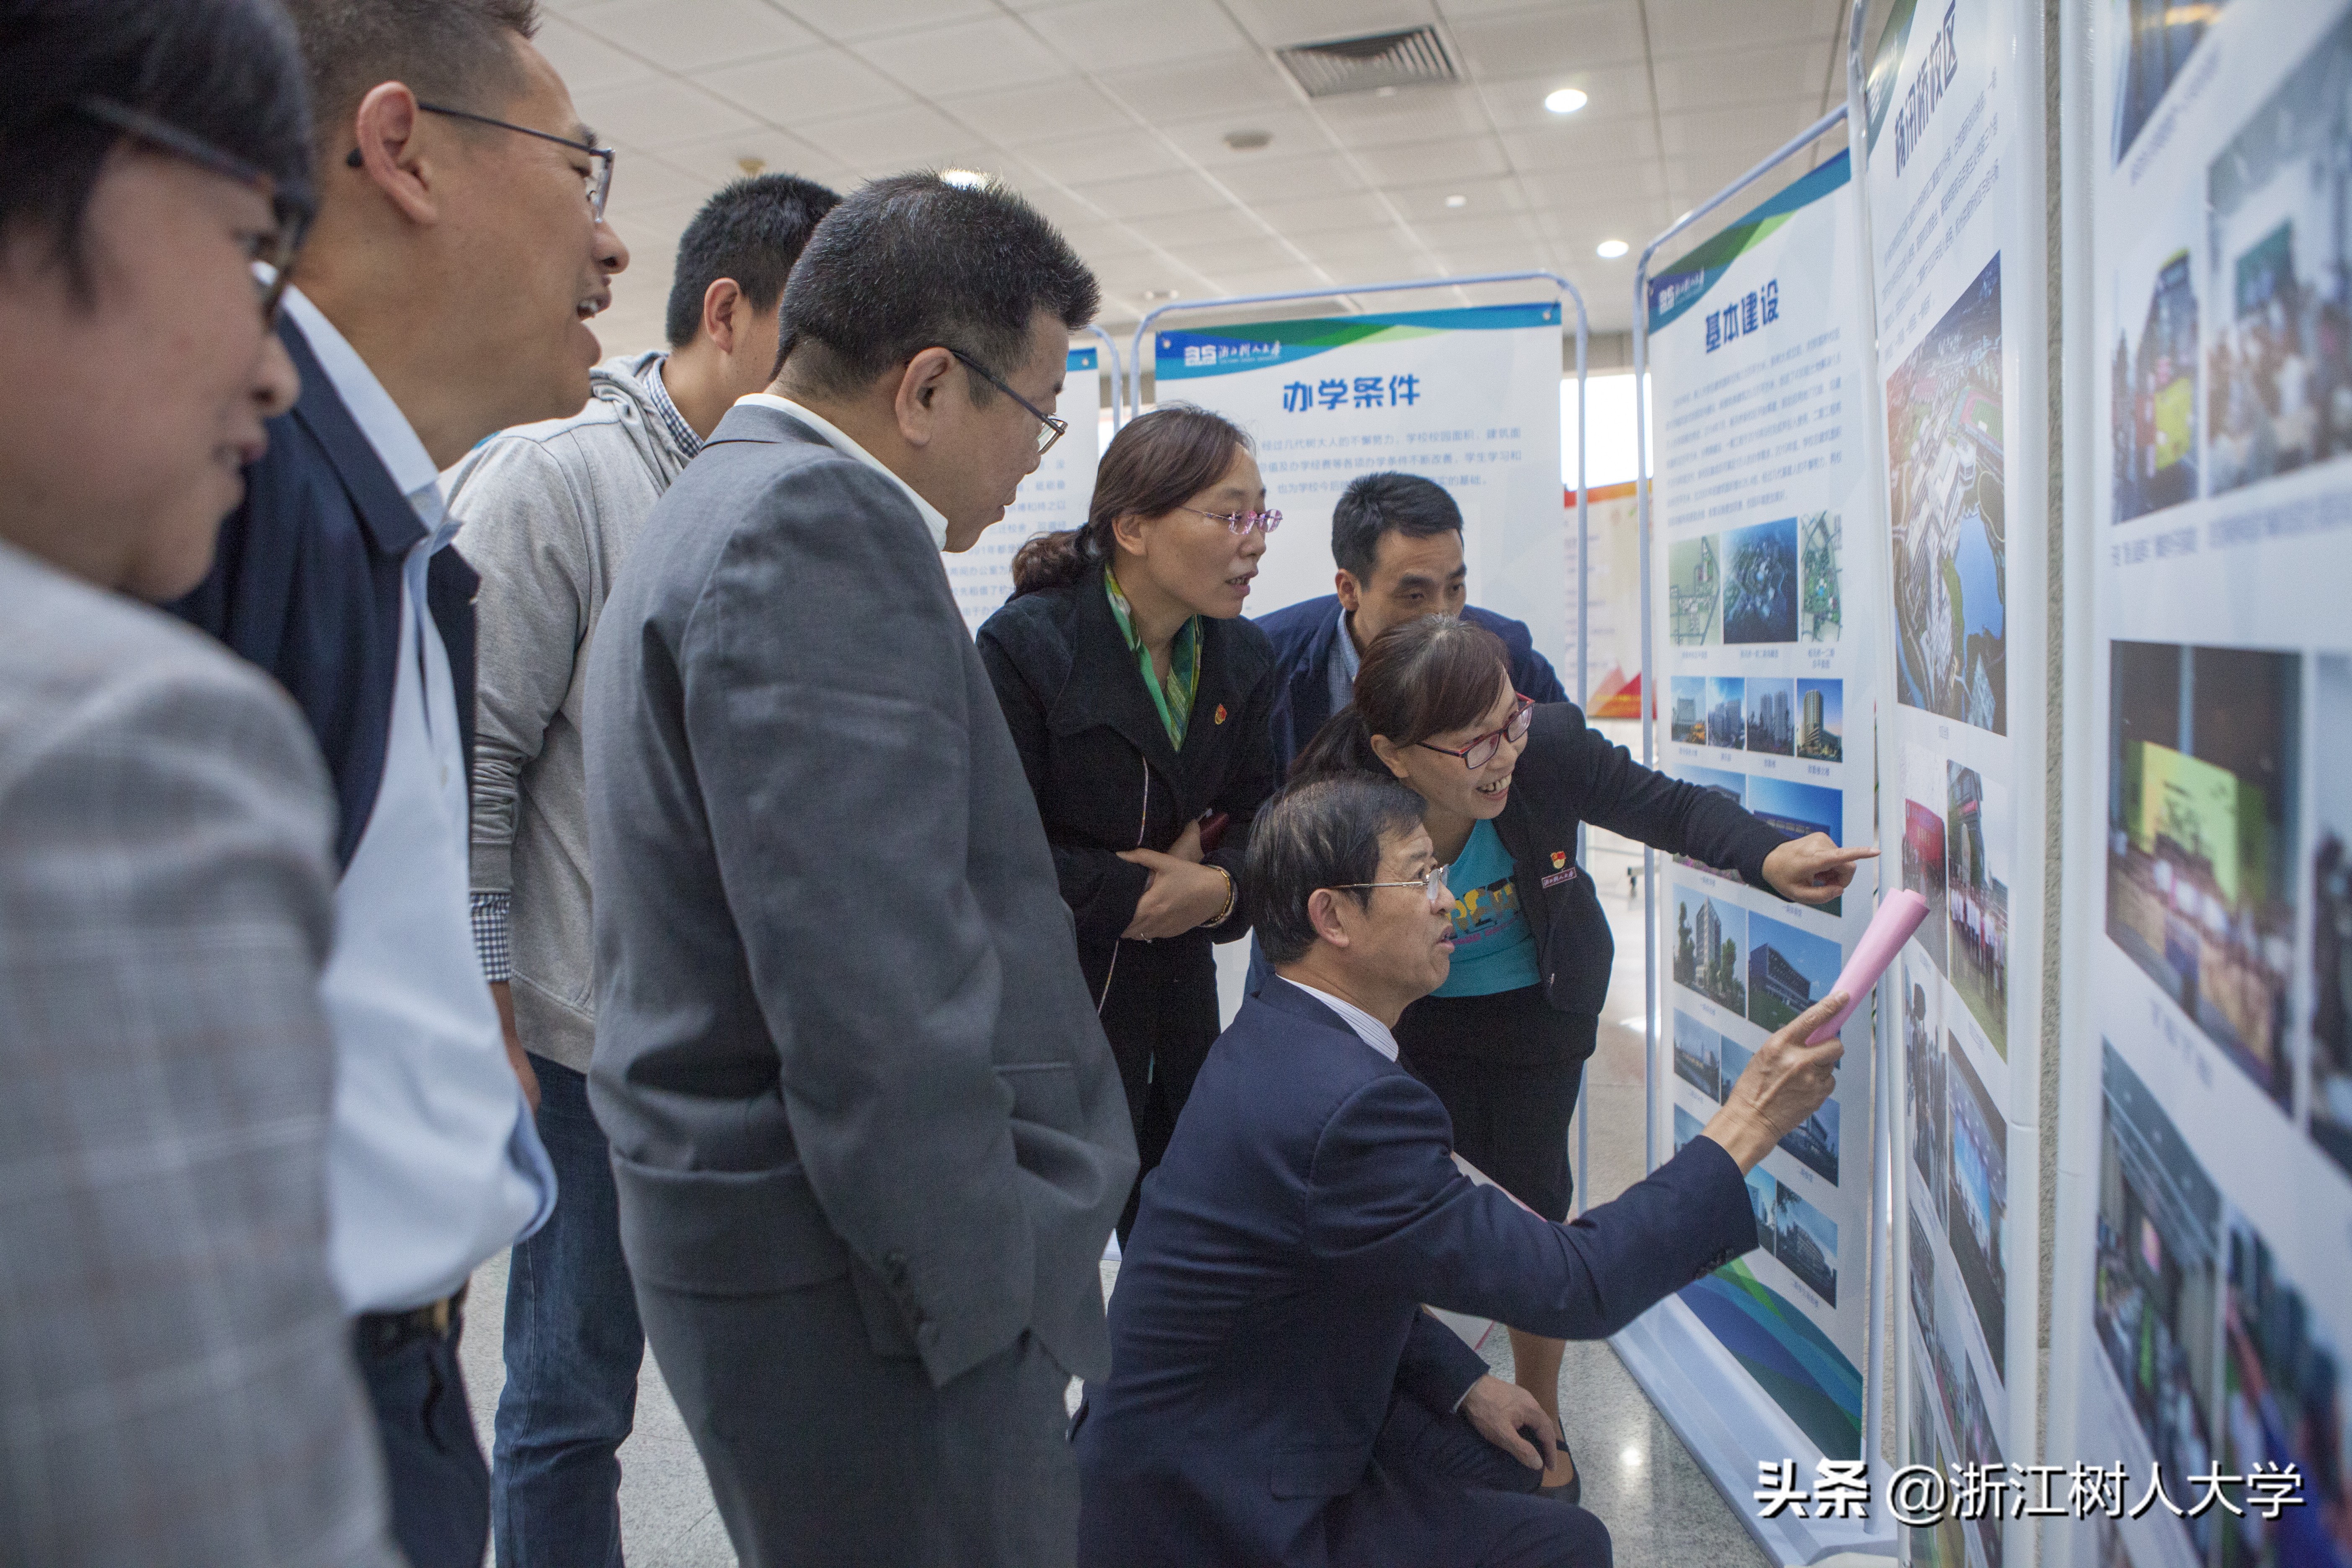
x=1051 y=429
x=291 y=209
x=600 y=180
x=1481 y=752
x=1432 y=883
x=1239 y=523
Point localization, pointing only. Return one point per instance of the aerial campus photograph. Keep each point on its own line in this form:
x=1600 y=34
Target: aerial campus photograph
x=1944 y=435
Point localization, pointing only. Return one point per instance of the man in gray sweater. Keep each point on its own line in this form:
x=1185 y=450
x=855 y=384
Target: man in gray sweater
x=550 y=512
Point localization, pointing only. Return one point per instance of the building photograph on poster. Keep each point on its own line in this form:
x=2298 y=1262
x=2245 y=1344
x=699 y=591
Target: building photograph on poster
x=2204 y=759
x=1772 y=716
x=1976 y=839
x=1820 y=721
x=2152 y=408
x=1694 y=592
x=1796 y=809
x=1813 y=1142
x=2162 y=34
x=1805 y=1241
x=1940 y=1341
x=1698 y=1056
x=2280 y=364
x=1923 y=1077
x=1686 y=1127
x=1821 y=606
x=1923 y=869
x=1726 y=712
x=2285 y=1403
x=1687 y=724
x=1760 y=583
x=2331 y=910
x=1710 y=948
x=1732 y=787
x=1788 y=970
x=2157 y=1282
x=1977 y=1219
x=1943 y=442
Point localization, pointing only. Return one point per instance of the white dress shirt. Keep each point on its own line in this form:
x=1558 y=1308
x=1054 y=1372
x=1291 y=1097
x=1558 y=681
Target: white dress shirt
x=434 y=1162
x=839 y=440
x=1369 y=1029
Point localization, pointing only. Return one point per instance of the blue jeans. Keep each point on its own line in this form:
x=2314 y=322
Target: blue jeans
x=573 y=1346
x=439 y=1487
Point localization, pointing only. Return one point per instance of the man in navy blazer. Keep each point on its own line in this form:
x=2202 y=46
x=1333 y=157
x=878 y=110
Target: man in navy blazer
x=1277 y=1396
x=1397 y=541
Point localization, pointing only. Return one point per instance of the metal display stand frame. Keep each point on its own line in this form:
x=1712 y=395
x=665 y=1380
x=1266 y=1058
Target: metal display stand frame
x=1143 y=331
x=1117 y=372
x=1673 y=1356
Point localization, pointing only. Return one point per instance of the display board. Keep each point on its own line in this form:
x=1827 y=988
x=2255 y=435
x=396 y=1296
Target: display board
x=1612 y=602
x=2204 y=1276
x=1953 y=184
x=1469 y=398
x=1053 y=497
x=1763 y=539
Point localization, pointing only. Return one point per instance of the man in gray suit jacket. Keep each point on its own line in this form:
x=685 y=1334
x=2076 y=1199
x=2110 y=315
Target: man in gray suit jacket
x=868 y=1136
x=176 y=1383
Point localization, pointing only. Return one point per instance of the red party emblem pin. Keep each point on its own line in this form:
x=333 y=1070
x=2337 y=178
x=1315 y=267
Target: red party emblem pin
x=1220 y=712
x=1559 y=859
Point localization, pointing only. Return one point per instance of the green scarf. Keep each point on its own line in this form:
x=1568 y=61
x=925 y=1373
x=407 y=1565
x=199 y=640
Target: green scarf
x=1173 y=697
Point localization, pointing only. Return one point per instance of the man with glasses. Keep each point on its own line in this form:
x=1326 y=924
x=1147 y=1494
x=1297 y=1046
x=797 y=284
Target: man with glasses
x=176 y=1377
x=1277 y=1394
x=442 y=294
x=868 y=1137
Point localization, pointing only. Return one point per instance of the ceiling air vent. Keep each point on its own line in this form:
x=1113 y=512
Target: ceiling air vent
x=1361 y=65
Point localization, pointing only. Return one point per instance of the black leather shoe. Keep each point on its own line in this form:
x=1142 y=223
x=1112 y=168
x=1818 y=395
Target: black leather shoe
x=1573 y=1490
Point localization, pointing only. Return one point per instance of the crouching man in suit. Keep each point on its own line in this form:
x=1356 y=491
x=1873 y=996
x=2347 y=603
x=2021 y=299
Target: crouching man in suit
x=1277 y=1396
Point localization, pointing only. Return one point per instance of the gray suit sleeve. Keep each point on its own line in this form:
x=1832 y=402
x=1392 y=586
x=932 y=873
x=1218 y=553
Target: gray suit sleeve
x=829 y=718
x=176 y=1383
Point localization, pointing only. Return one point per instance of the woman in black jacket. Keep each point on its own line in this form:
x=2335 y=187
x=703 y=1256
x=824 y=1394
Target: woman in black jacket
x=1506 y=782
x=1139 y=701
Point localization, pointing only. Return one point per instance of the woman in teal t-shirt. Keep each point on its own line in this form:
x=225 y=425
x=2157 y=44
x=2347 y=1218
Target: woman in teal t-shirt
x=1507 y=783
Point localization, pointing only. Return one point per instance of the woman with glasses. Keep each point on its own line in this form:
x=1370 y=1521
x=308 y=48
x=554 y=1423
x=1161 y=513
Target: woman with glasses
x=1139 y=701
x=1506 y=782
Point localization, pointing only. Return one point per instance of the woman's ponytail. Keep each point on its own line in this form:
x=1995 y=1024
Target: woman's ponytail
x=1343 y=746
x=1050 y=561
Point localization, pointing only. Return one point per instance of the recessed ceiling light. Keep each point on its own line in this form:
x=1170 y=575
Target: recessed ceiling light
x=1610 y=249
x=1384 y=93
x=1159 y=296
x=752 y=165
x=1247 y=141
x=1567 y=101
x=1458 y=201
x=966 y=179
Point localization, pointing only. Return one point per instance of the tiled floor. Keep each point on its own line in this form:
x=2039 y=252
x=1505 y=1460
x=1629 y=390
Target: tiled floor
x=1662 y=1511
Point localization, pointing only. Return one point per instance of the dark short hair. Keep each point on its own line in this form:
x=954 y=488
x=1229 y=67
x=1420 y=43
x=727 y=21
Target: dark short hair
x=912 y=262
x=226 y=71
x=1324 y=833
x=1157 y=462
x=752 y=231
x=1377 y=504
x=457 y=53
x=1420 y=677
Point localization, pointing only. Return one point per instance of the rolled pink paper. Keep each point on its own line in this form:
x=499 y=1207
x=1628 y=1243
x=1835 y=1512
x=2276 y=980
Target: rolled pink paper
x=1897 y=919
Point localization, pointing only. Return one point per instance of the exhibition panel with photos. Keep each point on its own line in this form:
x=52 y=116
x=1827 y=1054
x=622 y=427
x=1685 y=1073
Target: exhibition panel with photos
x=1762 y=528
x=2202 y=1284
x=1055 y=497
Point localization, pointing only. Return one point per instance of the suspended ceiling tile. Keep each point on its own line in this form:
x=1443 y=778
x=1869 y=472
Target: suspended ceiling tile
x=1292 y=179
x=683 y=34
x=1719 y=82
x=1295 y=132
x=887 y=141
x=1270 y=281
x=853 y=19
x=797 y=89
x=1191 y=89
x=1351 y=211
x=1105 y=155
x=1747 y=133
x=583 y=61
x=1457 y=159
x=1602 y=145
x=938 y=62
x=657 y=113
x=1246 y=253
x=1494 y=228
x=1413 y=114
x=1679 y=27
x=1482 y=199
x=1154 y=195
x=1198 y=236
x=1067 y=108
x=1280 y=23
x=1515 y=99
x=1552 y=38
x=718 y=160
x=1106 y=34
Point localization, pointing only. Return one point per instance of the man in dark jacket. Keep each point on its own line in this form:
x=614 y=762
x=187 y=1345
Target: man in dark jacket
x=1397 y=539
x=1277 y=1396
